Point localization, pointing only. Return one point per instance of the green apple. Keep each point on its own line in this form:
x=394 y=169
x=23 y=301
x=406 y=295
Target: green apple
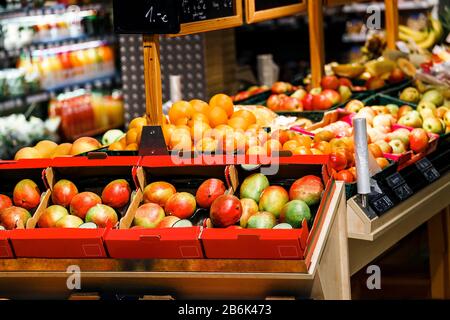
x=410 y=95
x=426 y=105
x=434 y=96
x=411 y=119
x=400 y=134
x=427 y=113
x=397 y=146
x=345 y=93
x=433 y=125
x=393 y=109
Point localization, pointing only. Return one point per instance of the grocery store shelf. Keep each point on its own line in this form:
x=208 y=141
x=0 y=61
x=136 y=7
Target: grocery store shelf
x=354 y=38
x=45 y=95
x=15 y=53
x=58 y=8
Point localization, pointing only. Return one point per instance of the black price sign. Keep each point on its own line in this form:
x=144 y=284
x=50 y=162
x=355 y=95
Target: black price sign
x=382 y=204
x=200 y=10
x=399 y=186
x=428 y=170
x=146 y=16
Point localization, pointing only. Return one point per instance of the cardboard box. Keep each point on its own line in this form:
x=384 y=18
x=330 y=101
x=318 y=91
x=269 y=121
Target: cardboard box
x=5 y=248
x=88 y=175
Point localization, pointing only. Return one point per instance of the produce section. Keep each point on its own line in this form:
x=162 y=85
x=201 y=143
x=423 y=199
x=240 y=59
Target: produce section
x=290 y=188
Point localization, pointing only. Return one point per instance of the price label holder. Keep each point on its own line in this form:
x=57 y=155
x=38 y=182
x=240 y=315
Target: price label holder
x=399 y=186
x=379 y=203
x=429 y=172
x=152 y=142
x=147 y=16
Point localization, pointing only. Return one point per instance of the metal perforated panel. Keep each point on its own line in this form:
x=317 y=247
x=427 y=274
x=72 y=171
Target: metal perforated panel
x=179 y=56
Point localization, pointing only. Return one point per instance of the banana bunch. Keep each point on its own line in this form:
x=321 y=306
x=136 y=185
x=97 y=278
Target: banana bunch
x=424 y=39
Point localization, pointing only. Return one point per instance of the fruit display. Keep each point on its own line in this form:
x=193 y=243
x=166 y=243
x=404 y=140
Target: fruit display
x=17 y=209
x=86 y=209
x=258 y=205
x=332 y=92
x=426 y=38
x=250 y=92
x=84 y=113
x=433 y=104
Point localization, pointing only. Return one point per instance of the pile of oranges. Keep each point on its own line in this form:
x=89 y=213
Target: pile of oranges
x=215 y=127
x=132 y=139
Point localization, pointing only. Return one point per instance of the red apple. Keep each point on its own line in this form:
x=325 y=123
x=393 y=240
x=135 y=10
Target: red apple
x=308 y=189
x=375 y=83
x=209 y=191
x=418 y=140
x=274 y=102
x=330 y=82
x=63 y=192
x=116 y=194
x=307 y=102
x=102 y=215
x=51 y=215
x=354 y=106
x=345 y=82
x=149 y=215
x=332 y=95
x=26 y=194
x=396 y=76
x=83 y=145
x=181 y=205
x=338 y=160
x=82 y=202
x=226 y=211
x=321 y=102
x=158 y=192
x=291 y=104
x=5 y=202
x=281 y=87
x=345 y=176
x=10 y=217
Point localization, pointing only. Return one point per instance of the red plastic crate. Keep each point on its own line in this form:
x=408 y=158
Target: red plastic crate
x=179 y=243
x=58 y=243
x=5 y=248
x=255 y=244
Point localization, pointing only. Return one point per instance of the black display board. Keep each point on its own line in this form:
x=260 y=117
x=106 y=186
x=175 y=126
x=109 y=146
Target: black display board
x=272 y=4
x=146 y=16
x=165 y=16
x=201 y=10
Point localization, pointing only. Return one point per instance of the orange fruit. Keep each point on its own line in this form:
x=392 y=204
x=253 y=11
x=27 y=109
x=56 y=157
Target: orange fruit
x=132 y=136
x=257 y=150
x=316 y=152
x=254 y=127
x=198 y=117
x=198 y=130
x=132 y=147
x=116 y=146
x=181 y=110
x=240 y=141
x=291 y=145
x=62 y=150
x=303 y=140
x=238 y=123
x=224 y=102
x=228 y=144
x=206 y=145
x=272 y=146
x=27 y=153
x=168 y=129
x=247 y=115
x=217 y=116
x=123 y=141
x=138 y=123
x=323 y=147
x=46 y=148
x=200 y=106
x=181 y=122
x=302 y=150
x=180 y=140
x=382 y=162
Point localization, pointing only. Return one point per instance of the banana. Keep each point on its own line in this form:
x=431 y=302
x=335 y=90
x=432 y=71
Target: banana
x=429 y=42
x=437 y=27
x=407 y=33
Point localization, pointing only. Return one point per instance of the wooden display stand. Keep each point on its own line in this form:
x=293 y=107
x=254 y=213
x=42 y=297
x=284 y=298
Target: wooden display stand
x=324 y=274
